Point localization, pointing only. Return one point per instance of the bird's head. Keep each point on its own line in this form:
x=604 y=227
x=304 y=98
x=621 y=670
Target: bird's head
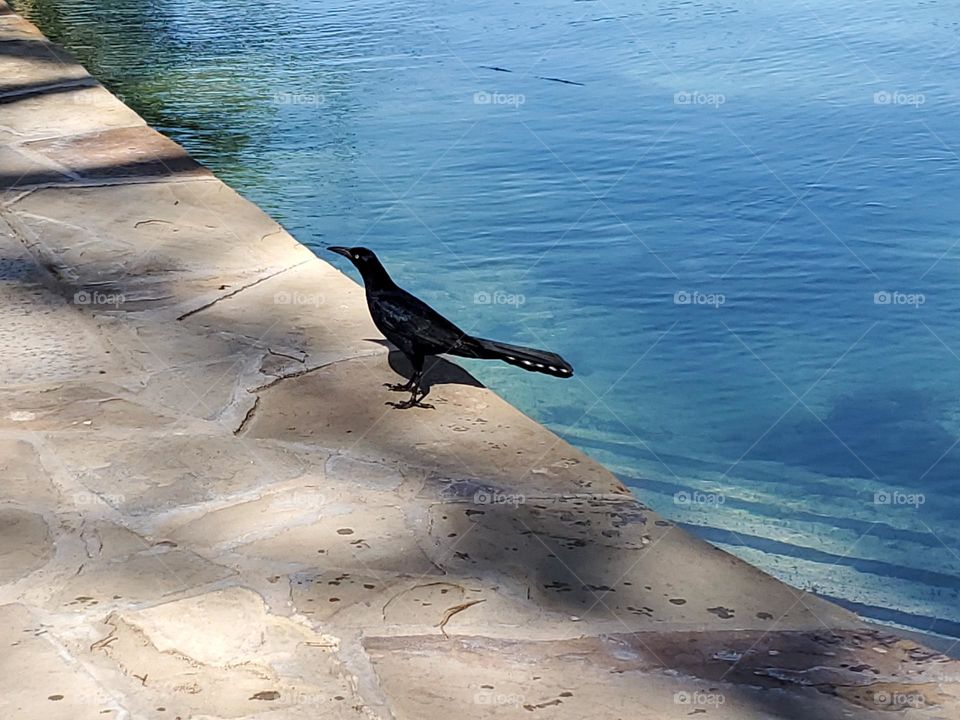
x=359 y=256
x=365 y=261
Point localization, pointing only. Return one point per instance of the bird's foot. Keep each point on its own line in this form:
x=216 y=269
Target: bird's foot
x=411 y=403
x=399 y=387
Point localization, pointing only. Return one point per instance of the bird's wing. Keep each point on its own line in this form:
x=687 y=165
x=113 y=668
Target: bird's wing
x=404 y=315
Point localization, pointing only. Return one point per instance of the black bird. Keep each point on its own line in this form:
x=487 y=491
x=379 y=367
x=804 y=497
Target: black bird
x=417 y=330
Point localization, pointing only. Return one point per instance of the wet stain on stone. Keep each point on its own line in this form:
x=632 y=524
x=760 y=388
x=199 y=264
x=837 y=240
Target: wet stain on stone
x=542 y=705
x=721 y=612
x=266 y=695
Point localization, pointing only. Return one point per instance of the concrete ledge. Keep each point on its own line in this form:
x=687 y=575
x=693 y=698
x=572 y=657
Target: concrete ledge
x=207 y=511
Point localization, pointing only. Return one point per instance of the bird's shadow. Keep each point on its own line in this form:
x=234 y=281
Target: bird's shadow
x=436 y=370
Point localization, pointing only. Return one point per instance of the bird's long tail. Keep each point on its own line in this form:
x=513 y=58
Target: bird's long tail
x=523 y=357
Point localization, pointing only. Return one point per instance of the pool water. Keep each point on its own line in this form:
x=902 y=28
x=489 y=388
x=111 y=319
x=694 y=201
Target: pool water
x=739 y=221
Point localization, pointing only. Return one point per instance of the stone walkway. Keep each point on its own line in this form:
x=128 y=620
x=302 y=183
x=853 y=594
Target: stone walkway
x=206 y=510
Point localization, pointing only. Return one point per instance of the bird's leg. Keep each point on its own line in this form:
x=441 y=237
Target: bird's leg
x=414 y=381
x=414 y=387
x=418 y=402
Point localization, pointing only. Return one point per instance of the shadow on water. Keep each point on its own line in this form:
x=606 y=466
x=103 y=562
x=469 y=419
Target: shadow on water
x=895 y=434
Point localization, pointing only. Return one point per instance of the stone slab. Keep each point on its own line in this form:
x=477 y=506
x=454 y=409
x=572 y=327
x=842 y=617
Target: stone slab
x=14 y=27
x=143 y=577
x=37 y=680
x=145 y=477
x=138 y=152
x=472 y=435
x=31 y=64
x=602 y=559
x=44 y=340
x=77 y=110
x=733 y=676
x=25 y=481
x=25 y=543
x=222 y=654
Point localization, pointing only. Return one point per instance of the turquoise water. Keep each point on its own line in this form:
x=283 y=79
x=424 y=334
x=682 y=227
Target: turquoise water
x=738 y=221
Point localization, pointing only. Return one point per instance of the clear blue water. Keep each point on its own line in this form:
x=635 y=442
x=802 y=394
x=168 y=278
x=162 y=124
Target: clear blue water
x=780 y=164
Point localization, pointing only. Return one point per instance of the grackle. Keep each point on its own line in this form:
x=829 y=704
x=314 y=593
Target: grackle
x=417 y=330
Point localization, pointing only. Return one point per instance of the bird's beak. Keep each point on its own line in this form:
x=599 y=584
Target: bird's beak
x=340 y=250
